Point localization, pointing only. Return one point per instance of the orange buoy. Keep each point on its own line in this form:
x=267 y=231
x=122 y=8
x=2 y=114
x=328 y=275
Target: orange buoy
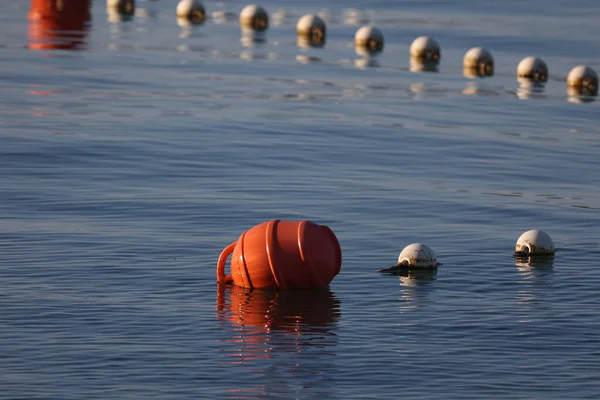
x=58 y=24
x=282 y=255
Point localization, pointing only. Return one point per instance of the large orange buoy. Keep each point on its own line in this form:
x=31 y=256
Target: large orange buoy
x=58 y=24
x=282 y=255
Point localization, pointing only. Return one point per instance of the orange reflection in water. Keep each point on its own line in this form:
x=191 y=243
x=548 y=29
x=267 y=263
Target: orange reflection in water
x=297 y=314
x=58 y=24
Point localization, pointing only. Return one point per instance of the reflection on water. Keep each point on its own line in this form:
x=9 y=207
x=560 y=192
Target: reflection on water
x=417 y=65
x=283 y=336
x=369 y=58
x=529 y=89
x=58 y=24
x=476 y=89
x=415 y=284
x=303 y=317
x=250 y=37
x=535 y=274
x=532 y=264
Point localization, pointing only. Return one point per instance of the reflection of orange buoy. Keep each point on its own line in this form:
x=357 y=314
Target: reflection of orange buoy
x=58 y=24
x=268 y=310
x=284 y=255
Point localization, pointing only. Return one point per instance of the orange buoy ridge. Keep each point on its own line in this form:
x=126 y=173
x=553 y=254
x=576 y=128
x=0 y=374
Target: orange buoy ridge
x=282 y=255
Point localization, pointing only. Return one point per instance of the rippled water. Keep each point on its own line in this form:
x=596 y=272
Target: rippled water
x=133 y=155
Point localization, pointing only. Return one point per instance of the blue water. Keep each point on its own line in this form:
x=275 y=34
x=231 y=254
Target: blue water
x=131 y=161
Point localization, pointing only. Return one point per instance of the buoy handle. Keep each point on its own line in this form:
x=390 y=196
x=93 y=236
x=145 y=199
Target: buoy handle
x=221 y=277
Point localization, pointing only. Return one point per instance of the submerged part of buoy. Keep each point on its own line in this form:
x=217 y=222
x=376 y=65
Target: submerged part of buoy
x=533 y=68
x=254 y=17
x=478 y=62
x=425 y=49
x=191 y=10
x=534 y=243
x=583 y=80
x=415 y=255
x=369 y=38
x=121 y=7
x=312 y=28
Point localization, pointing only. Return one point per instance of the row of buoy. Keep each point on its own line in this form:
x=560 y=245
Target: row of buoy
x=425 y=51
x=533 y=243
x=302 y=255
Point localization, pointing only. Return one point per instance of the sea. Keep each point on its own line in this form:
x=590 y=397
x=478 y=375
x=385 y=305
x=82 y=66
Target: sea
x=133 y=150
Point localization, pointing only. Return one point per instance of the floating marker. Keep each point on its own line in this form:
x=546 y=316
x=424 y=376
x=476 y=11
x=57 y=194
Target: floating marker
x=254 y=17
x=425 y=49
x=478 y=62
x=191 y=10
x=583 y=80
x=124 y=8
x=282 y=255
x=415 y=255
x=533 y=68
x=369 y=38
x=534 y=243
x=311 y=28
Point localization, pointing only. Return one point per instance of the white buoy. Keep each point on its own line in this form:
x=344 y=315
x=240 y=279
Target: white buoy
x=191 y=10
x=311 y=27
x=121 y=7
x=583 y=80
x=418 y=255
x=533 y=68
x=534 y=243
x=478 y=62
x=254 y=17
x=426 y=49
x=369 y=38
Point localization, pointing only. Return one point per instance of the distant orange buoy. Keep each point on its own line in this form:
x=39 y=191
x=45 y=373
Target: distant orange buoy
x=58 y=24
x=282 y=255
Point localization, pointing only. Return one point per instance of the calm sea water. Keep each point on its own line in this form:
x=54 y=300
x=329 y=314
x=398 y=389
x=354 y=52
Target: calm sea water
x=131 y=160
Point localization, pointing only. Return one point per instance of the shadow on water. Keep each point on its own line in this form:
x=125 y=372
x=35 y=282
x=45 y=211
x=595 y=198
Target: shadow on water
x=280 y=336
x=58 y=24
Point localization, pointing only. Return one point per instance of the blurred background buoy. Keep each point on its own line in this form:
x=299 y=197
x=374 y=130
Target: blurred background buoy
x=416 y=255
x=533 y=68
x=282 y=255
x=583 y=80
x=425 y=49
x=368 y=40
x=478 y=62
x=311 y=31
x=192 y=11
x=534 y=242
x=254 y=17
x=122 y=9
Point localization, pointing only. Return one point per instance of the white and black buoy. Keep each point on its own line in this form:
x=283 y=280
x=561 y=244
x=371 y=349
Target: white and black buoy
x=254 y=17
x=425 y=49
x=312 y=28
x=123 y=8
x=416 y=256
x=533 y=68
x=478 y=62
x=534 y=243
x=368 y=38
x=191 y=10
x=583 y=80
